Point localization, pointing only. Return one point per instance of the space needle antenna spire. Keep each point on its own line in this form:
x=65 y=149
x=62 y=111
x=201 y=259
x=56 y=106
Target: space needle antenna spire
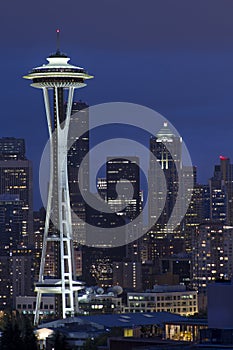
x=58 y=40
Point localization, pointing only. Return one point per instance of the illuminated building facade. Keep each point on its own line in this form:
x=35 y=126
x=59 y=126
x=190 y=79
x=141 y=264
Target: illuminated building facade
x=77 y=154
x=11 y=222
x=175 y=299
x=166 y=153
x=212 y=254
x=221 y=192
x=16 y=276
x=125 y=171
x=16 y=180
x=166 y=149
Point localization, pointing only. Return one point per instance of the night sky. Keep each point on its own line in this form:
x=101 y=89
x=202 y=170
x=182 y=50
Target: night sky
x=173 y=56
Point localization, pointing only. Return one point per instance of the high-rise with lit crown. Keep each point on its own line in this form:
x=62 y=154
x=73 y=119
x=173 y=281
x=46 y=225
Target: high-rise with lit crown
x=54 y=79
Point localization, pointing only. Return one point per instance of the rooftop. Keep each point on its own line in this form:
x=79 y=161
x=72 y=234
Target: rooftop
x=120 y=320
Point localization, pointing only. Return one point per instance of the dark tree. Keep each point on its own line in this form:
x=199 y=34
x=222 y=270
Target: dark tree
x=29 y=338
x=11 y=336
x=60 y=342
x=18 y=333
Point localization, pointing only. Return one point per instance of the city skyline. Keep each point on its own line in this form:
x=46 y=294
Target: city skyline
x=116 y=202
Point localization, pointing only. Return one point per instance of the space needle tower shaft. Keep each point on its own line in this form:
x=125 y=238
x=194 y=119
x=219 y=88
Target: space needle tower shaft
x=57 y=78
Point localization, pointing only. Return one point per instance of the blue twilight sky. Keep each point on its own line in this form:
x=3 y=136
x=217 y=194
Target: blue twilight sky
x=175 y=56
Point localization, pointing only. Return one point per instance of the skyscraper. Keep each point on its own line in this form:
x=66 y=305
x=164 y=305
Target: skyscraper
x=121 y=191
x=11 y=223
x=125 y=174
x=16 y=180
x=78 y=176
x=218 y=196
x=16 y=221
x=197 y=213
x=166 y=153
x=166 y=149
x=212 y=254
x=125 y=198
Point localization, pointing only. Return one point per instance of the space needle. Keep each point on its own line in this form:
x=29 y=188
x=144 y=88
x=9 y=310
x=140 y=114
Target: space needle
x=58 y=79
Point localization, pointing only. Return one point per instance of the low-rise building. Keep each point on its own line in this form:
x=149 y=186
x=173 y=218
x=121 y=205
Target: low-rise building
x=27 y=304
x=139 y=326
x=176 y=299
x=100 y=304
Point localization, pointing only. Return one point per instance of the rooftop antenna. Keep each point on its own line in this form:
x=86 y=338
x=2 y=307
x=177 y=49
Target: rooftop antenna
x=58 y=40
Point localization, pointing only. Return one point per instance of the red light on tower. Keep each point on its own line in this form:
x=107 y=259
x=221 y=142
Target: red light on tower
x=223 y=158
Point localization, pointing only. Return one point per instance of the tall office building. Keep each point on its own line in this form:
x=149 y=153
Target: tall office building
x=22 y=273
x=78 y=176
x=218 y=200
x=125 y=198
x=227 y=177
x=200 y=204
x=16 y=221
x=198 y=212
x=12 y=227
x=120 y=190
x=38 y=228
x=166 y=153
x=212 y=254
x=166 y=149
x=97 y=262
x=16 y=180
x=124 y=174
x=50 y=266
x=221 y=192
x=16 y=276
